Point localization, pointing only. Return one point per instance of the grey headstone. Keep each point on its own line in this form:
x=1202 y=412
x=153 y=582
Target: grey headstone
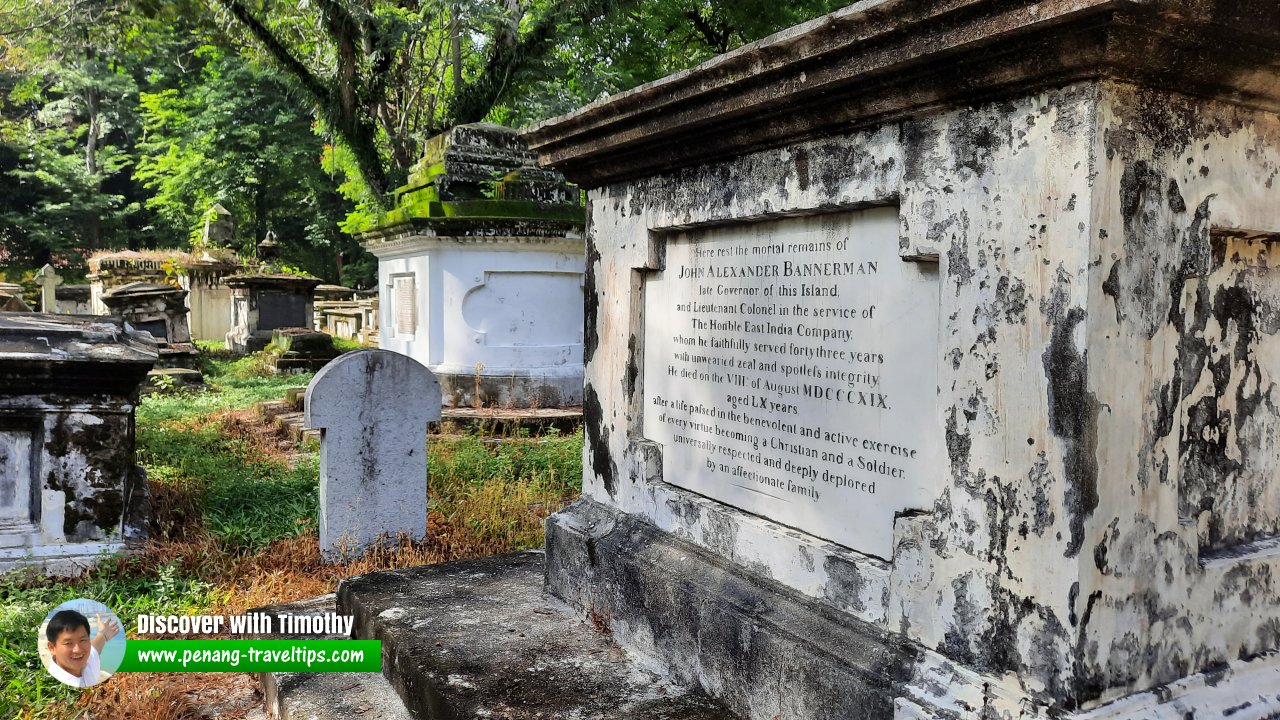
x=372 y=408
x=49 y=280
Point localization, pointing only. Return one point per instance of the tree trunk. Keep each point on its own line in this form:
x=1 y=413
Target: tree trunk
x=93 y=103
x=341 y=109
x=455 y=45
x=260 y=220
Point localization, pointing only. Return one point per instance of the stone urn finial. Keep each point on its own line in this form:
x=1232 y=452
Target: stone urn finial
x=269 y=249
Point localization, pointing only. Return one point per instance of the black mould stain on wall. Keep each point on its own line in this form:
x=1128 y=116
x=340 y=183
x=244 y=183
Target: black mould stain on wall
x=593 y=417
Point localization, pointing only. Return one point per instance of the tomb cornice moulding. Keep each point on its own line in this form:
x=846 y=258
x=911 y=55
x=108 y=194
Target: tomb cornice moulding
x=291 y=282
x=65 y=404
x=72 y=355
x=471 y=229
x=74 y=379
x=884 y=60
x=410 y=244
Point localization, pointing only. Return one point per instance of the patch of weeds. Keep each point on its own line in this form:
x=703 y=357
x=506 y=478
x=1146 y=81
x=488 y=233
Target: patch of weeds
x=553 y=461
x=261 y=502
x=497 y=494
x=344 y=345
x=215 y=350
x=232 y=384
x=465 y=460
x=245 y=501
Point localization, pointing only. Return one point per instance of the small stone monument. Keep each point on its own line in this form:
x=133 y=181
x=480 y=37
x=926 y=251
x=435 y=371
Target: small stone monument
x=111 y=269
x=49 y=280
x=334 y=293
x=372 y=408
x=299 y=350
x=69 y=485
x=341 y=313
x=204 y=275
x=219 y=228
x=269 y=249
x=11 y=298
x=75 y=299
x=480 y=271
x=264 y=302
x=160 y=310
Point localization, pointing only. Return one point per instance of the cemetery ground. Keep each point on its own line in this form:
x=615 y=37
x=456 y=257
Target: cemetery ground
x=233 y=527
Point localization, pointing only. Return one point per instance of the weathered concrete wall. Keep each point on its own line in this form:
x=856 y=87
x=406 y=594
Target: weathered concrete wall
x=210 y=302
x=1053 y=570
x=91 y=478
x=1001 y=193
x=1184 y=359
x=80 y=458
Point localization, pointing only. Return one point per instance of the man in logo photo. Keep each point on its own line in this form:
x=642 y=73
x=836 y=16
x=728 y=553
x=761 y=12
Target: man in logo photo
x=76 y=658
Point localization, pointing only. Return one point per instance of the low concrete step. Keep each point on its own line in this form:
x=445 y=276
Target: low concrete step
x=506 y=422
x=326 y=696
x=479 y=638
x=285 y=418
x=332 y=696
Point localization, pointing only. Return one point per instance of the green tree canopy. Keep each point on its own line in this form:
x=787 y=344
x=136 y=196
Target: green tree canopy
x=234 y=135
x=122 y=121
x=66 y=121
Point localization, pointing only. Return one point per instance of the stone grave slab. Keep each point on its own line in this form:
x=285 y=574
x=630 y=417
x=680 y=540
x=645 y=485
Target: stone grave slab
x=479 y=638
x=324 y=696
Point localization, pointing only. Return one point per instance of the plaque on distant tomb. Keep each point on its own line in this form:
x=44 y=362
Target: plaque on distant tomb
x=406 y=304
x=790 y=370
x=156 y=328
x=281 y=310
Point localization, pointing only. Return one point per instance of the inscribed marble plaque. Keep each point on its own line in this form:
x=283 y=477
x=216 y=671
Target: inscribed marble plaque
x=15 y=479
x=406 y=304
x=790 y=370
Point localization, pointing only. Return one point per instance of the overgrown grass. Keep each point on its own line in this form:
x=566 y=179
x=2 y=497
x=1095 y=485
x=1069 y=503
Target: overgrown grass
x=235 y=382
x=501 y=492
x=347 y=345
x=234 y=527
x=244 y=499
